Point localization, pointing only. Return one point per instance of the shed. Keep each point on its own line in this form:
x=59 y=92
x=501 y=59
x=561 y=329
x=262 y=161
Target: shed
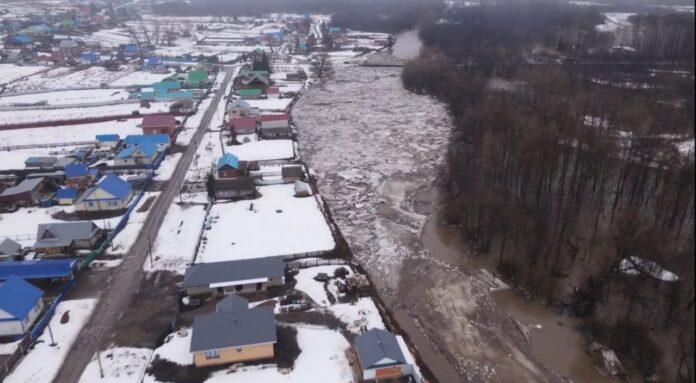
x=228 y=166
x=27 y=192
x=9 y=250
x=40 y=269
x=107 y=140
x=380 y=355
x=240 y=276
x=67 y=196
x=20 y=305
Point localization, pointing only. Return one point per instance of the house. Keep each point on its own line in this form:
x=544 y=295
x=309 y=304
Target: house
x=241 y=108
x=9 y=250
x=90 y=57
x=79 y=176
x=382 y=355
x=67 y=196
x=233 y=188
x=152 y=63
x=197 y=79
x=158 y=124
x=65 y=237
x=144 y=153
x=68 y=47
x=107 y=140
x=243 y=125
x=27 y=193
x=228 y=166
x=235 y=336
x=20 y=305
x=275 y=126
x=111 y=193
x=260 y=80
x=292 y=173
x=240 y=276
x=161 y=141
x=249 y=94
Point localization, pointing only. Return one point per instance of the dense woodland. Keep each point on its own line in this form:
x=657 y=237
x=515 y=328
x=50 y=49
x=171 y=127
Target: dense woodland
x=564 y=164
x=363 y=15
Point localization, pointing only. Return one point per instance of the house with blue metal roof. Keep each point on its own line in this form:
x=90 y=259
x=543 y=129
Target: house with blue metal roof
x=111 y=193
x=107 y=140
x=90 y=57
x=20 y=39
x=382 y=355
x=39 y=269
x=20 y=305
x=228 y=166
x=78 y=175
x=161 y=141
x=144 y=154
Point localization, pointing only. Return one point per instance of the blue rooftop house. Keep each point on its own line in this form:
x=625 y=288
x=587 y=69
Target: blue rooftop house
x=90 y=57
x=67 y=196
x=20 y=39
x=79 y=176
x=111 y=193
x=132 y=50
x=20 y=305
x=161 y=141
x=178 y=95
x=152 y=63
x=40 y=29
x=107 y=140
x=166 y=86
x=141 y=154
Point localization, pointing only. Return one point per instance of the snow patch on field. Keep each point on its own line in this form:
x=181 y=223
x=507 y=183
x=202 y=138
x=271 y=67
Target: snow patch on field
x=362 y=313
x=42 y=363
x=177 y=238
x=314 y=289
x=68 y=133
x=264 y=150
x=120 y=365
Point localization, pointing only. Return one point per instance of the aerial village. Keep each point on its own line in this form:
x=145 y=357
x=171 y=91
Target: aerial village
x=157 y=220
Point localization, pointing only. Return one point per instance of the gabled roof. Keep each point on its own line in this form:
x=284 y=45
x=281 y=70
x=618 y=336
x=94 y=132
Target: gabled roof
x=157 y=120
x=147 y=148
x=243 y=122
x=116 y=186
x=69 y=43
x=228 y=160
x=26 y=185
x=9 y=247
x=76 y=170
x=274 y=117
x=203 y=274
x=61 y=234
x=230 y=329
x=378 y=346
x=18 y=297
x=232 y=302
x=249 y=92
x=38 y=268
x=107 y=137
x=66 y=193
x=196 y=76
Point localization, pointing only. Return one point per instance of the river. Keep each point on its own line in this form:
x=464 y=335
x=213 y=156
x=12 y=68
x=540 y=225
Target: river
x=376 y=149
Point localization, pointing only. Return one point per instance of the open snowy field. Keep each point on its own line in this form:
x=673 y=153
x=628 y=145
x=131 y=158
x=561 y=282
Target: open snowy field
x=143 y=78
x=12 y=72
x=39 y=115
x=92 y=77
x=264 y=150
x=167 y=167
x=271 y=104
x=22 y=224
x=68 y=133
x=12 y=160
x=67 y=97
x=42 y=362
x=277 y=223
x=177 y=238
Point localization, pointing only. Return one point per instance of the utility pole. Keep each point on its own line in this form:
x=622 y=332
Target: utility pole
x=101 y=370
x=149 y=250
x=50 y=333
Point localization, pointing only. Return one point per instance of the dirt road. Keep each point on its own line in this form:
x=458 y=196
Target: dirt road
x=124 y=283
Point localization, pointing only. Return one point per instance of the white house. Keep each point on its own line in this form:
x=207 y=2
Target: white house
x=111 y=193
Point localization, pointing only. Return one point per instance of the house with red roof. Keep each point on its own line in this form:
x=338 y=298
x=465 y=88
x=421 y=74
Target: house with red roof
x=159 y=124
x=275 y=126
x=243 y=125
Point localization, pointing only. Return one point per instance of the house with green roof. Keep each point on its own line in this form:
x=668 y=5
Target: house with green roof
x=250 y=94
x=197 y=79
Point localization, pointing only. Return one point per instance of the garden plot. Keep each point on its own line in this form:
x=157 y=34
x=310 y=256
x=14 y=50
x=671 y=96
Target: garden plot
x=12 y=72
x=277 y=223
x=322 y=359
x=47 y=115
x=177 y=238
x=271 y=104
x=264 y=150
x=13 y=160
x=68 y=133
x=120 y=365
x=42 y=362
x=92 y=77
x=142 y=78
x=67 y=97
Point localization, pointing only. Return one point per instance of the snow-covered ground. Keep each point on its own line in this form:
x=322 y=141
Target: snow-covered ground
x=264 y=150
x=358 y=315
x=92 y=77
x=126 y=238
x=68 y=133
x=167 y=167
x=22 y=224
x=119 y=364
x=177 y=238
x=42 y=363
x=277 y=223
x=315 y=290
x=67 y=97
x=141 y=78
x=40 y=115
x=12 y=72
x=271 y=104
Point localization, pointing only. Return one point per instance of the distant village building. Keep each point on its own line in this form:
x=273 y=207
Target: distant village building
x=79 y=176
x=243 y=125
x=241 y=108
x=111 y=193
x=232 y=178
x=107 y=140
x=27 y=193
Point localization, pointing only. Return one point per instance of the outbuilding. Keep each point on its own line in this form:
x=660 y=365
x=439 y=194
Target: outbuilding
x=28 y=192
x=9 y=250
x=381 y=355
x=20 y=305
x=241 y=276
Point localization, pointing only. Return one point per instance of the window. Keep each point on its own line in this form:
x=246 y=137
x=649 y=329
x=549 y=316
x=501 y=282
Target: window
x=212 y=354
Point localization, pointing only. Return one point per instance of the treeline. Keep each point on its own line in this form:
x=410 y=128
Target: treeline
x=564 y=165
x=364 y=15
